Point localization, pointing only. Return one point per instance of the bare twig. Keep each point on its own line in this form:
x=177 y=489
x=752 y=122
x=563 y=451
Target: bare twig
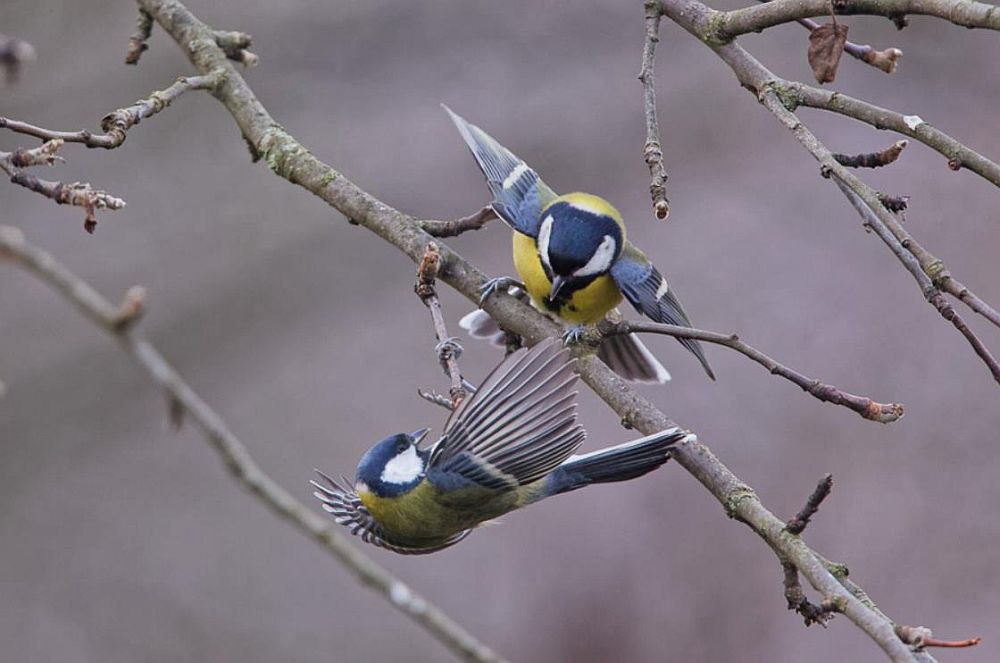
x=651 y=151
x=456 y=227
x=232 y=451
x=912 y=265
x=235 y=45
x=920 y=636
x=117 y=123
x=885 y=60
x=137 y=42
x=46 y=154
x=448 y=349
x=881 y=412
x=872 y=159
x=895 y=204
x=797 y=601
x=436 y=398
x=799 y=521
x=967 y=13
x=779 y=96
x=79 y=194
x=913 y=126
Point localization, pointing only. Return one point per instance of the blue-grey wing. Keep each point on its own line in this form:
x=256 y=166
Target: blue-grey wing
x=519 y=195
x=519 y=426
x=647 y=290
x=347 y=509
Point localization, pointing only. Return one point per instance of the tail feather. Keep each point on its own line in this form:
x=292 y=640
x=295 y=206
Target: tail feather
x=618 y=463
x=629 y=358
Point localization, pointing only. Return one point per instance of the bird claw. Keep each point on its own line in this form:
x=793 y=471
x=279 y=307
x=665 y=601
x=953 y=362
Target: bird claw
x=500 y=283
x=447 y=349
x=574 y=334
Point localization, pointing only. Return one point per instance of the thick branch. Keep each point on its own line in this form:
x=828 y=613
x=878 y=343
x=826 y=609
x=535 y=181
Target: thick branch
x=291 y=160
x=882 y=412
x=117 y=123
x=232 y=452
x=652 y=152
x=967 y=13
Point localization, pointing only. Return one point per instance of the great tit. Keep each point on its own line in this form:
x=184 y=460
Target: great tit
x=574 y=259
x=508 y=445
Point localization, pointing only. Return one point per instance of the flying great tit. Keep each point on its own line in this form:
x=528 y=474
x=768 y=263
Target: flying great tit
x=508 y=445
x=573 y=257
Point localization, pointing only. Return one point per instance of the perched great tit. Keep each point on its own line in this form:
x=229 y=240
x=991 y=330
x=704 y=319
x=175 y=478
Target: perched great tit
x=507 y=446
x=573 y=257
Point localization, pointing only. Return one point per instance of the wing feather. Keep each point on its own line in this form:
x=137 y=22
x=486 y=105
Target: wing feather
x=647 y=290
x=520 y=424
x=519 y=195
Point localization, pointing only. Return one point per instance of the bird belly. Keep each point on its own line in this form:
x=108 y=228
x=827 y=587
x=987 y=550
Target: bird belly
x=427 y=514
x=586 y=306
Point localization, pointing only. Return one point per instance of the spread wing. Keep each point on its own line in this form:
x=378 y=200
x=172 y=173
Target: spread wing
x=346 y=508
x=518 y=427
x=647 y=290
x=519 y=195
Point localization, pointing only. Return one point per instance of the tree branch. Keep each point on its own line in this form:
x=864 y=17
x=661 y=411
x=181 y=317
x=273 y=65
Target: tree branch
x=881 y=412
x=456 y=227
x=885 y=60
x=651 y=151
x=773 y=93
x=231 y=450
x=967 y=13
x=291 y=160
x=447 y=348
x=117 y=123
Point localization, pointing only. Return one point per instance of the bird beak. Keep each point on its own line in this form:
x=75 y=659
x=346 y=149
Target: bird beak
x=557 y=284
x=417 y=436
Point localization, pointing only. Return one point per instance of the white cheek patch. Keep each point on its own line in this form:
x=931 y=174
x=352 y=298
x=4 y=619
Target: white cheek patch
x=519 y=170
x=600 y=262
x=544 y=233
x=403 y=468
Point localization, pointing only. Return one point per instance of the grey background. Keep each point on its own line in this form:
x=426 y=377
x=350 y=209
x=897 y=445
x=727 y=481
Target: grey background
x=120 y=541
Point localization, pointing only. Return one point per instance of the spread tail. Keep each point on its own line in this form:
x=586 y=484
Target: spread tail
x=618 y=463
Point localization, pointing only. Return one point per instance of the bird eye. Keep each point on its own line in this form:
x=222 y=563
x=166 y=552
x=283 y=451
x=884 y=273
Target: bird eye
x=401 y=447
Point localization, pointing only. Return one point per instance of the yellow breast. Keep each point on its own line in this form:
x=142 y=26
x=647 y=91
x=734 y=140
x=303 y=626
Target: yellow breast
x=586 y=306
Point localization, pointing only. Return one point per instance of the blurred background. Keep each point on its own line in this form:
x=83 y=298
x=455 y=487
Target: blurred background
x=122 y=541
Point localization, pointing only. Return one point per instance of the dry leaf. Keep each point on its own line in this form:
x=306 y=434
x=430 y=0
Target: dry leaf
x=826 y=45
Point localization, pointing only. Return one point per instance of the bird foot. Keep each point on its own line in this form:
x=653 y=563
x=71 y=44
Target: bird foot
x=447 y=349
x=506 y=283
x=574 y=334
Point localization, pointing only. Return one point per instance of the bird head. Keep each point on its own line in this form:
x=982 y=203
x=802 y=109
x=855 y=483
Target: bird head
x=580 y=237
x=394 y=465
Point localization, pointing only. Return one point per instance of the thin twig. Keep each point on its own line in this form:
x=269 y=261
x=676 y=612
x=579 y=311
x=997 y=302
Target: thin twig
x=884 y=60
x=912 y=265
x=448 y=349
x=967 y=13
x=798 y=523
x=456 y=227
x=232 y=451
x=652 y=152
x=779 y=96
x=872 y=159
x=913 y=126
x=436 y=398
x=117 y=123
x=79 y=194
x=137 y=42
x=921 y=636
x=235 y=45
x=881 y=412
x=797 y=601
